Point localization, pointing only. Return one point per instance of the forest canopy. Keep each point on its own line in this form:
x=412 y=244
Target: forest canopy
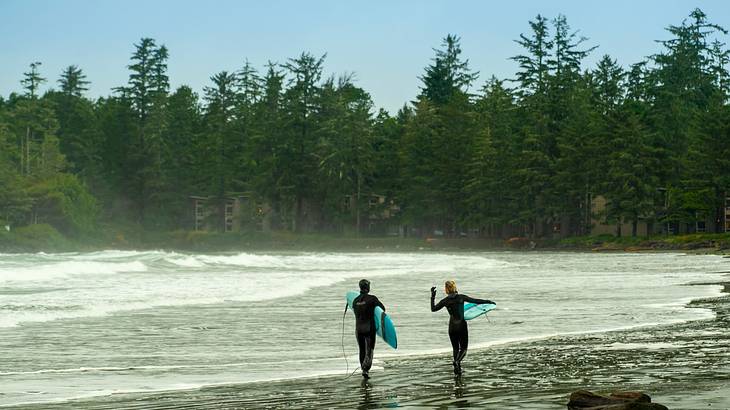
x=493 y=157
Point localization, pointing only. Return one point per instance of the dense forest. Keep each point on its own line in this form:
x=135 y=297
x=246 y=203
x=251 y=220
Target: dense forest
x=493 y=158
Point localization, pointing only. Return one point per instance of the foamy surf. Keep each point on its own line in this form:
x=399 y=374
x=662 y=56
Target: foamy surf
x=159 y=319
x=61 y=270
x=202 y=279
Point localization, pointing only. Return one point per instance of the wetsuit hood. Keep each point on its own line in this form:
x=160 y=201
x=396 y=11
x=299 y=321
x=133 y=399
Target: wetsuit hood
x=364 y=286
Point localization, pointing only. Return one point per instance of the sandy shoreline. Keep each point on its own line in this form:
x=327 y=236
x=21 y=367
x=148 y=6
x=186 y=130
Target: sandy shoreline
x=683 y=366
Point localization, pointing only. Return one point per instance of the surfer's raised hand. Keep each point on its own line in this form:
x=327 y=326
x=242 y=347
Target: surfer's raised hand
x=433 y=291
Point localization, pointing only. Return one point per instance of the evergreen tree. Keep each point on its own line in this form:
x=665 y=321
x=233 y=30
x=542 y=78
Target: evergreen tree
x=183 y=157
x=147 y=93
x=299 y=142
x=387 y=136
x=684 y=86
x=631 y=183
x=536 y=154
x=420 y=202
x=79 y=137
x=32 y=80
x=444 y=95
x=719 y=66
x=311 y=150
x=686 y=89
x=448 y=74
x=267 y=144
x=609 y=88
x=708 y=160
x=221 y=135
x=346 y=147
x=248 y=94
x=73 y=81
x=14 y=201
x=534 y=65
x=490 y=193
x=118 y=126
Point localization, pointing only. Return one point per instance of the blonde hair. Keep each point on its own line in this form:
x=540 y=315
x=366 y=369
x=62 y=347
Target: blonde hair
x=450 y=286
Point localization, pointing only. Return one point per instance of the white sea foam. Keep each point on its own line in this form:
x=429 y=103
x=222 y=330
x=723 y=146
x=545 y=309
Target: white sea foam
x=59 y=270
x=641 y=346
x=206 y=279
x=185 y=261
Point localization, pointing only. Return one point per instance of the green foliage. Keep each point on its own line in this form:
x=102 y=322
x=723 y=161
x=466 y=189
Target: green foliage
x=679 y=242
x=33 y=238
x=32 y=80
x=146 y=96
x=73 y=81
x=652 y=138
x=63 y=201
x=14 y=200
x=448 y=74
x=346 y=149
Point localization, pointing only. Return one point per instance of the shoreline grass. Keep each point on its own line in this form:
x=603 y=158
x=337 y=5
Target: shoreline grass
x=44 y=238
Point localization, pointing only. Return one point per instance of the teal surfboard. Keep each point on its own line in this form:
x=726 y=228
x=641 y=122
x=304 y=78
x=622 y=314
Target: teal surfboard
x=383 y=325
x=472 y=310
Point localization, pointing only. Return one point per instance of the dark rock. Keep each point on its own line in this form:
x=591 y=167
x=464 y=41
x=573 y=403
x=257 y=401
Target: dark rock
x=633 y=396
x=629 y=406
x=585 y=400
x=582 y=399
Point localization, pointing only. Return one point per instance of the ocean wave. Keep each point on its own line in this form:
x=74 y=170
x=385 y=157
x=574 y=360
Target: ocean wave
x=64 y=269
x=335 y=261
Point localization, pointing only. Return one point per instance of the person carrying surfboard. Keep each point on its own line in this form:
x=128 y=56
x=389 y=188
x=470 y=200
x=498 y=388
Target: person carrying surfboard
x=364 y=307
x=458 y=331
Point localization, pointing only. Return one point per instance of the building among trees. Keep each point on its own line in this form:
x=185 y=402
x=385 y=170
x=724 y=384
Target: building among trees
x=233 y=213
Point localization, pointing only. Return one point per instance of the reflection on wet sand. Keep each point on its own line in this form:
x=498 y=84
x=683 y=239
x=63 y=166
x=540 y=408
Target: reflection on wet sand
x=366 y=401
x=459 y=386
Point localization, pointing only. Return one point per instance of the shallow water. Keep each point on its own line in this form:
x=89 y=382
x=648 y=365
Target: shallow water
x=93 y=324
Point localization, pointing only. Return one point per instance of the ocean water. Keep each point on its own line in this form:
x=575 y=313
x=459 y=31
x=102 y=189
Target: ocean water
x=78 y=325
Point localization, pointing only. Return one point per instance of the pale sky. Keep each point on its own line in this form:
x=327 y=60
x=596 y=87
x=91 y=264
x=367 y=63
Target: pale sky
x=385 y=43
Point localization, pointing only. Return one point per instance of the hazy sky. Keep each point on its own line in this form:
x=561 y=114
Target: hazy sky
x=385 y=43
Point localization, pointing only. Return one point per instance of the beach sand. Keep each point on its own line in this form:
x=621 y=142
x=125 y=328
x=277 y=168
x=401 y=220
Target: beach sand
x=683 y=366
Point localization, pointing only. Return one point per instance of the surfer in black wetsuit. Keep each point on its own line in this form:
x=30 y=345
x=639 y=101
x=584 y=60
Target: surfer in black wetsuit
x=364 y=308
x=458 y=331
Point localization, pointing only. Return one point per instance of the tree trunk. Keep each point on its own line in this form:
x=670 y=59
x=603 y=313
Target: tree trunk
x=27 y=150
x=141 y=177
x=634 y=226
x=22 y=156
x=357 y=207
x=720 y=211
x=298 y=215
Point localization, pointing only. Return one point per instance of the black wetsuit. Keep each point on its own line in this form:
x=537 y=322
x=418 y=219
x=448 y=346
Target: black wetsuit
x=458 y=331
x=364 y=308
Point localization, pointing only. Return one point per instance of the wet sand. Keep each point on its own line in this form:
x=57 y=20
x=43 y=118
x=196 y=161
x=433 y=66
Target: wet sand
x=684 y=366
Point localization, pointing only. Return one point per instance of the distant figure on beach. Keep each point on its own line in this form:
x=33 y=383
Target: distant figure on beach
x=364 y=308
x=458 y=331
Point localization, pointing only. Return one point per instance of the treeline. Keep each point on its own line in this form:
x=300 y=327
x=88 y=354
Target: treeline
x=503 y=157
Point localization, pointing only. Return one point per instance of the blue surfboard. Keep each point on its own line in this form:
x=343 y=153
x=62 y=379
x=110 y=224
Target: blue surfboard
x=472 y=310
x=383 y=325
